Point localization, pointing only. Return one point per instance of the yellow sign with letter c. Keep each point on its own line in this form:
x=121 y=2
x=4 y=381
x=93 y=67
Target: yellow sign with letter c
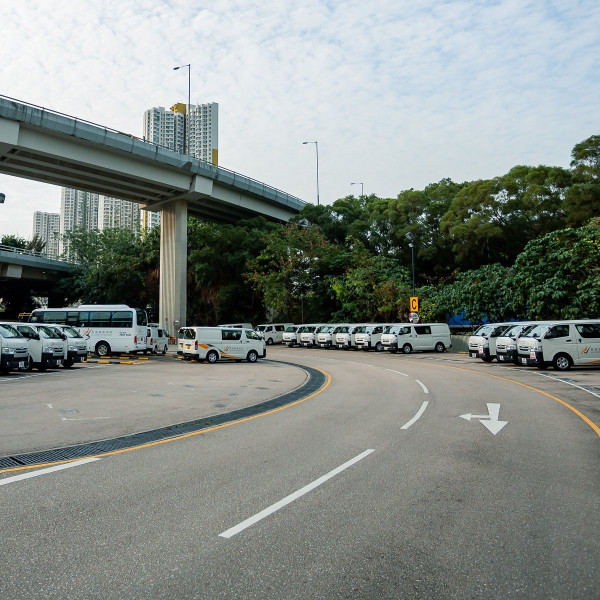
x=414 y=304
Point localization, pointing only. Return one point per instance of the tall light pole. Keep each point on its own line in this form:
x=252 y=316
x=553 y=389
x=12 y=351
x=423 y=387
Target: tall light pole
x=411 y=242
x=317 y=149
x=362 y=189
x=186 y=140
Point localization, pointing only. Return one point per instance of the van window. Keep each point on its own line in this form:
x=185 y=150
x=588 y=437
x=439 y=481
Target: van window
x=589 y=330
x=422 y=330
x=558 y=331
x=252 y=335
x=279 y=328
x=232 y=335
x=8 y=331
x=188 y=334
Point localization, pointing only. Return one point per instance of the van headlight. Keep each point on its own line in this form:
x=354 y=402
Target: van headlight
x=72 y=348
x=47 y=349
x=511 y=346
x=8 y=350
x=537 y=348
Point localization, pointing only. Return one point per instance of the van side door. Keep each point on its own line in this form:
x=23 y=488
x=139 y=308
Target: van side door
x=587 y=337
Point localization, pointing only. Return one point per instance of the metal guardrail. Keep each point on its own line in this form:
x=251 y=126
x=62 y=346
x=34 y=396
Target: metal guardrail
x=27 y=252
x=215 y=172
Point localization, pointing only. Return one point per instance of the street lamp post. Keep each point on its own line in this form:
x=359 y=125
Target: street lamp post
x=186 y=140
x=317 y=150
x=411 y=242
x=362 y=189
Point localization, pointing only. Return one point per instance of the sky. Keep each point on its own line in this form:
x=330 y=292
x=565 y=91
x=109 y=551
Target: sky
x=397 y=93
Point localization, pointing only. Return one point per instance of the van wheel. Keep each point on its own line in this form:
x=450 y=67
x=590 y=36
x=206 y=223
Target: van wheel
x=378 y=347
x=4 y=371
x=252 y=356
x=487 y=358
x=103 y=349
x=270 y=342
x=439 y=347
x=68 y=363
x=164 y=350
x=407 y=348
x=562 y=362
x=28 y=366
x=212 y=357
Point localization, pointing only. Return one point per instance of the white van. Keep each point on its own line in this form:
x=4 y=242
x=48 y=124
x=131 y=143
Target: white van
x=237 y=325
x=307 y=334
x=289 y=336
x=46 y=347
x=326 y=336
x=273 y=332
x=561 y=344
x=345 y=335
x=14 y=351
x=482 y=344
x=417 y=337
x=506 y=344
x=75 y=345
x=368 y=337
x=213 y=343
x=157 y=339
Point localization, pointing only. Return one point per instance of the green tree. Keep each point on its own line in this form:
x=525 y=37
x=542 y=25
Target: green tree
x=293 y=273
x=372 y=288
x=558 y=275
x=13 y=240
x=583 y=197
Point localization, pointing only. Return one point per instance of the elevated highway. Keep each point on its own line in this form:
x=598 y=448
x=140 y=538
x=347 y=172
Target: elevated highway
x=51 y=147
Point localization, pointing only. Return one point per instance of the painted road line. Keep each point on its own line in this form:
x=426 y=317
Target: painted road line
x=417 y=416
x=399 y=373
x=423 y=386
x=554 y=378
x=68 y=465
x=289 y=499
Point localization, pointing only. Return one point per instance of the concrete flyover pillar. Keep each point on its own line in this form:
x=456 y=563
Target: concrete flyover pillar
x=173 y=266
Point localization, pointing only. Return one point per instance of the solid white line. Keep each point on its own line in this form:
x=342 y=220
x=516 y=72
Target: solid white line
x=568 y=383
x=288 y=499
x=417 y=416
x=45 y=471
x=423 y=386
x=399 y=373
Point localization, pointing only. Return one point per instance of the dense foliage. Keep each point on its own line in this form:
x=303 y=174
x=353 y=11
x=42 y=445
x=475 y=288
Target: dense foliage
x=525 y=244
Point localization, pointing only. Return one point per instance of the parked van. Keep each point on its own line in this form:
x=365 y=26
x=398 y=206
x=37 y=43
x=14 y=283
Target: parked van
x=213 y=343
x=75 y=345
x=46 y=347
x=289 y=336
x=368 y=337
x=308 y=334
x=561 y=344
x=157 y=339
x=14 y=351
x=238 y=325
x=482 y=344
x=345 y=335
x=417 y=337
x=326 y=335
x=273 y=332
x=506 y=344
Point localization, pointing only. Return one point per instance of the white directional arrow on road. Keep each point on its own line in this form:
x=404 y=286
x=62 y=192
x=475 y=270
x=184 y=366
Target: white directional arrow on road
x=490 y=420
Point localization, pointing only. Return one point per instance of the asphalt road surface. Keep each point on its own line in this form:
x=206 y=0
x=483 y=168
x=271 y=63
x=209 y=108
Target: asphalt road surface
x=421 y=476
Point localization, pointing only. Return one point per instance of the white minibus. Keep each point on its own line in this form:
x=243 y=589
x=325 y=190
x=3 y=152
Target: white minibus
x=289 y=336
x=506 y=344
x=306 y=335
x=14 y=351
x=75 y=345
x=368 y=337
x=273 y=332
x=326 y=336
x=561 y=344
x=214 y=343
x=46 y=347
x=157 y=339
x=417 y=337
x=107 y=328
x=482 y=344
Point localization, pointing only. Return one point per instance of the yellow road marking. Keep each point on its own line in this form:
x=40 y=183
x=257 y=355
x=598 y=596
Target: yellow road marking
x=179 y=437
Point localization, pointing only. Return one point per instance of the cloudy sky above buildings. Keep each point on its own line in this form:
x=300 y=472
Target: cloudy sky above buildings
x=398 y=93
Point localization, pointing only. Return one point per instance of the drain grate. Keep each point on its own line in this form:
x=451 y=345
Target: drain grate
x=316 y=380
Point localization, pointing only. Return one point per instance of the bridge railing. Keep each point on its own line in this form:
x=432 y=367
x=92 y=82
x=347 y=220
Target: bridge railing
x=68 y=124
x=27 y=252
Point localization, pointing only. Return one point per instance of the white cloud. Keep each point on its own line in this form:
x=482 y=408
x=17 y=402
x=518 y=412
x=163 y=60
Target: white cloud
x=398 y=93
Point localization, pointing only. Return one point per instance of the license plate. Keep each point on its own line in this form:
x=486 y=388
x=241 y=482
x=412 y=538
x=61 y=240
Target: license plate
x=21 y=364
x=188 y=346
x=532 y=355
x=500 y=357
x=473 y=354
x=524 y=361
x=79 y=359
x=480 y=350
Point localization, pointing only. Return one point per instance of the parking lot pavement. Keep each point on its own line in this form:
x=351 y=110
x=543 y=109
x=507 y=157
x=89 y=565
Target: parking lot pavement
x=107 y=398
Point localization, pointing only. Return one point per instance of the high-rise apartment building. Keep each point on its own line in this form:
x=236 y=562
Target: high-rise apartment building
x=166 y=127
x=46 y=226
x=113 y=212
x=77 y=209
